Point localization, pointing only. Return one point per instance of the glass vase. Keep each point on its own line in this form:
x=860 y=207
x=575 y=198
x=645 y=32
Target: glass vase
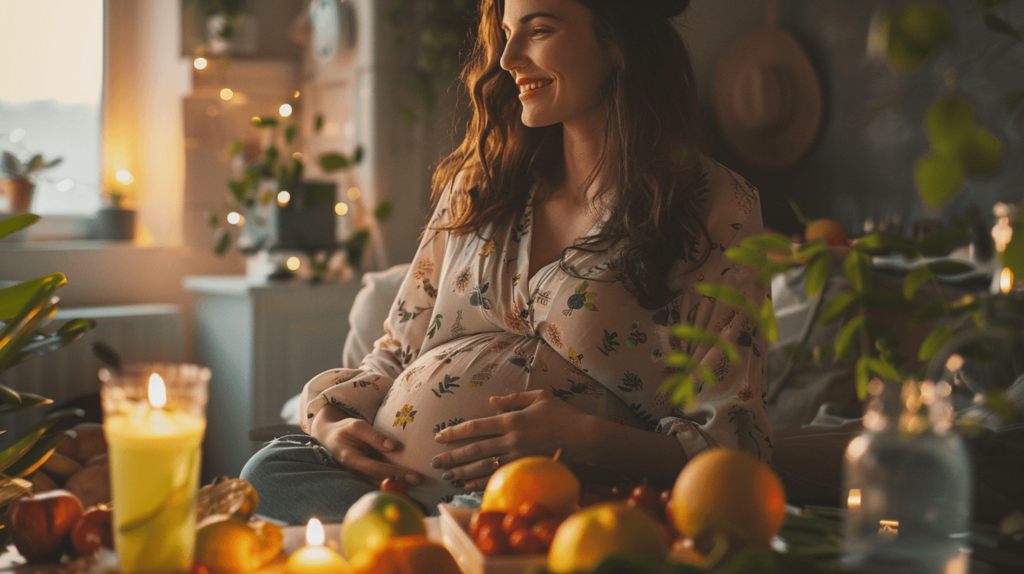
x=908 y=481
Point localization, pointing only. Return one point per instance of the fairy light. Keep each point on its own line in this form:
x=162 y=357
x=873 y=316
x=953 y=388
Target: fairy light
x=226 y=94
x=293 y=263
x=1006 y=280
x=853 y=500
x=283 y=197
x=354 y=193
x=200 y=63
x=124 y=176
x=235 y=218
x=296 y=94
x=954 y=363
x=341 y=208
x=285 y=110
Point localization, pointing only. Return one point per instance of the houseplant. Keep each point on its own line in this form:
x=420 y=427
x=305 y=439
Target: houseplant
x=24 y=308
x=114 y=222
x=19 y=175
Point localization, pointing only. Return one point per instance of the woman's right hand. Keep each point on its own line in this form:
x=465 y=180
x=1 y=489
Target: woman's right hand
x=348 y=440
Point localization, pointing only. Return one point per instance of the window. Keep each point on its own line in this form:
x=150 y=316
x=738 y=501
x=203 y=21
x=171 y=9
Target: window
x=51 y=78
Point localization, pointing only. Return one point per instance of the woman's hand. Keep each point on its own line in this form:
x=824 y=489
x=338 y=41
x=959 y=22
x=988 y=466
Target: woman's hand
x=348 y=439
x=539 y=424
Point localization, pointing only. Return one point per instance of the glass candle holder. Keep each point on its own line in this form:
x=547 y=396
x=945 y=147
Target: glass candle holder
x=154 y=417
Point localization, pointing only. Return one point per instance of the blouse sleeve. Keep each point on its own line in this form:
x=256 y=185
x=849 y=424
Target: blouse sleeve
x=359 y=392
x=728 y=411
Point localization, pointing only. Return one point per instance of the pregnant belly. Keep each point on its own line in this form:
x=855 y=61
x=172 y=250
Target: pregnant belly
x=445 y=386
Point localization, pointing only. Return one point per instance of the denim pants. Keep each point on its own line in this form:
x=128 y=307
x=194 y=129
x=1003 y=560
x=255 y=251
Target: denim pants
x=297 y=478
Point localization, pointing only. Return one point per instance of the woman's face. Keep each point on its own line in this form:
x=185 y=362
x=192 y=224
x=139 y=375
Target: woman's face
x=555 y=58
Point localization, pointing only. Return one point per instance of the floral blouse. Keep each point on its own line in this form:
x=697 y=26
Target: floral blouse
x=467 y=324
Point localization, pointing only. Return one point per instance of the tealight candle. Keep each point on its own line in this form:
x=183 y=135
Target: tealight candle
x=315 y=558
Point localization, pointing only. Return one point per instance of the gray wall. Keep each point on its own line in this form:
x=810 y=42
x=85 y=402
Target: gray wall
x=862 y=164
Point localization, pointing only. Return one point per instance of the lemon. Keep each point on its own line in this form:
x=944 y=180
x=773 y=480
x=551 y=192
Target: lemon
x=937 y=178
x=600 y=531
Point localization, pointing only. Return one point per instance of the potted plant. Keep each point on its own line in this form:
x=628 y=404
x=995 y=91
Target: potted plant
x=113 y=222
x=19 y=175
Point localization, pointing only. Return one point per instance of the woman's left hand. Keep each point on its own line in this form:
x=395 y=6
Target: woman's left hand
x=539 y=424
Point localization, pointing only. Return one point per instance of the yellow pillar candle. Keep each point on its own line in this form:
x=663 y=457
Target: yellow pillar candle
x=315 y=558
x=154 y=473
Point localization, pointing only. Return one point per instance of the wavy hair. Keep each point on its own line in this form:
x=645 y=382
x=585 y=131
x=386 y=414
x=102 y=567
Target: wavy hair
x=650 y=168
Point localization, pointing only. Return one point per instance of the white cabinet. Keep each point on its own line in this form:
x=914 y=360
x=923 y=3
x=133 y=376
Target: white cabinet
x=262 y=341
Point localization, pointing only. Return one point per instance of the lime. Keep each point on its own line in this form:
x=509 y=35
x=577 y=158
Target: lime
x=916 y=33
x=981 y=153
x=948 y=123
x=937 y=178
x=378 y=517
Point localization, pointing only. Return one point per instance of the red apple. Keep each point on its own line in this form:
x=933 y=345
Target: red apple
x=92 y=530
x=40 y=522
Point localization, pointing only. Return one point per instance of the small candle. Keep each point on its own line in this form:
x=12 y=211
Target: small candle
x=315 y=558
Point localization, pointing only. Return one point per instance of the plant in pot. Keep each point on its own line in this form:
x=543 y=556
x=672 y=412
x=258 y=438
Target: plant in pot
x=113 y=222
x=19 y=176
x=24 y=310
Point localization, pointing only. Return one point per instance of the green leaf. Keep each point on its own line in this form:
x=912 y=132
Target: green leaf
x=221 y=242
x=213 y=219
x=696 y=335
x=770 y=242
x=848 y=339
x=37 y=455
x=17 y=223
x=862 y=376
x=266 y=197
x=383 y=210
x=929 y=312
x=265 y=122
x=680 y=389
x=885 y=299
x=35 y=163
x=331 y=162
x=11 y=489
x=271 y=155
x=940 y=243
x=11 y=166
x=28 y=401
x=750 y=257
x=997 y=24
x=25 y=442
x=1001 y=406
x=590 y=306
x=769 y=324
x=935 y=340
x=724 y=293
x=885 y=370
x=773 y=268
x=678 y=359
x=885 y=244
x=816 y=275
x=20 y=330
x=938 y=178
x=289 y=134
x=799 y=214
x=318 y=123
x=9 y=396
x=1013 y=256
x=811 y=248
x=914 y=280
x=14 y=298
x=858 y=270
x=838 y=307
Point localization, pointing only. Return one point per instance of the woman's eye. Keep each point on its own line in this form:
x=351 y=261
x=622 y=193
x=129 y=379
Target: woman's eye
x=539 y=31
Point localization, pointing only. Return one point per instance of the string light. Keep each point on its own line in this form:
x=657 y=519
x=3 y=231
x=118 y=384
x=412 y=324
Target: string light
x=235 y=218
x=200 y=63
x=341 y=208
x=1006 y=280
x=283 y=198
x=226 y=94
x=285 y=110
x=354 y=193
x=293 y=263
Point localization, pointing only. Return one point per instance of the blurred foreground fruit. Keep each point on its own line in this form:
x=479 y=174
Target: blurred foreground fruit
x=377 y=517
x=40 y=522
x=226 y=545
x=233 y=496
x=827 y=230
x=597 y=532
x=92 y=530
x=534 y=479
x=727 y=493
x=396 y=485
x=405 y=555
x=915 y=33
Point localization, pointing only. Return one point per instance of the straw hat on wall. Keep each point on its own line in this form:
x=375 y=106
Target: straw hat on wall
x=768 y=100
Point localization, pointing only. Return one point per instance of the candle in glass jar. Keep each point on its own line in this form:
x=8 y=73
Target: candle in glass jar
x=154 y=473
x=315 y=558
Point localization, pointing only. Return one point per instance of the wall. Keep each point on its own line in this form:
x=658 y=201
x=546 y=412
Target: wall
x=862 y=164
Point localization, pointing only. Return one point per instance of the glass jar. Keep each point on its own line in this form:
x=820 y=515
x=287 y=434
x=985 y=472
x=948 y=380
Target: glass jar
x=908 y=484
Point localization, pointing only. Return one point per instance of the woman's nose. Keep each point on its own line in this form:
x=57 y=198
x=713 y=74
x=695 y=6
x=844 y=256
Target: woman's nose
x=514 y=55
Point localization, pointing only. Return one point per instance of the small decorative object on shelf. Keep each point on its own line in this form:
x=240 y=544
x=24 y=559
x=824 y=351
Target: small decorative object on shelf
x=113 y=221
x=154 y=417
x=908 y=483
x=19 y=175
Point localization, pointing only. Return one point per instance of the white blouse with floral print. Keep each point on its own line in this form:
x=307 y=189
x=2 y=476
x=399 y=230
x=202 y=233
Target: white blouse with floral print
x=466 y=326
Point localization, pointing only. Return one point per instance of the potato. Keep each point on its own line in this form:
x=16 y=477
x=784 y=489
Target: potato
x=102 y=458
x=42 y=482
x=60 y=467
x=88 y=442
x=91 y=485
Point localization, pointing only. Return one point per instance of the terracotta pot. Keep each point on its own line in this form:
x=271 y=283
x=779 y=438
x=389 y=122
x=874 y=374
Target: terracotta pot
x=20 y=192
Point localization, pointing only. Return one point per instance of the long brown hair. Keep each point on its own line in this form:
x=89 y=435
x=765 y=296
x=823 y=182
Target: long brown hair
x=650 y=164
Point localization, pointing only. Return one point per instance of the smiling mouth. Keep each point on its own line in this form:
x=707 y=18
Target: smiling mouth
x=531 y=89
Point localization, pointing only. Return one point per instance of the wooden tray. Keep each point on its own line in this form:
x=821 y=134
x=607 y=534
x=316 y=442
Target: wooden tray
x=455 y=536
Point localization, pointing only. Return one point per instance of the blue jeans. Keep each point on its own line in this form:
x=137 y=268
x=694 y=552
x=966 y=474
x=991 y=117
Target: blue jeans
x=297 y=478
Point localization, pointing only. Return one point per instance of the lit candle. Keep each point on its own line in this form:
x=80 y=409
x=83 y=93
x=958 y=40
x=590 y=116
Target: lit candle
x=154 y=473
x=853 y=500
x=315 y=558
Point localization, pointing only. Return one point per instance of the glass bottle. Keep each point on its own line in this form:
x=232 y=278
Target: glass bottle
x=908 y=484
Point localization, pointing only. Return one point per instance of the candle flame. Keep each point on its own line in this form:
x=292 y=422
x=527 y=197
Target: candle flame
x=888 y=528
x=853 y=501
x=315 y=532
x=157 y=391
x=1006 y=280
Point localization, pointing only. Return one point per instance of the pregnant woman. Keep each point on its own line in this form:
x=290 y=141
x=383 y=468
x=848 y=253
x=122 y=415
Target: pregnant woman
x=569 y=230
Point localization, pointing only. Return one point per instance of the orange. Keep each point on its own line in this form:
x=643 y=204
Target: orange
x=600 y=531
x=535 y=479
x=728 y=493
x=405 y=555
x=829 y=230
